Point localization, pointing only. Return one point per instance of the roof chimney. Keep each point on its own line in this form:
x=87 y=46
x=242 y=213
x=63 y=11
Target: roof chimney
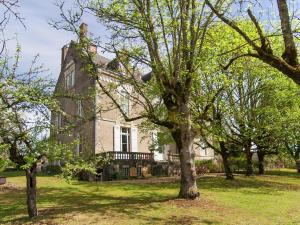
x=83 y=30
x=64 y=51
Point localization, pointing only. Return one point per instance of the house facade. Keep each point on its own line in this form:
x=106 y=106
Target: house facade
x=97 y=125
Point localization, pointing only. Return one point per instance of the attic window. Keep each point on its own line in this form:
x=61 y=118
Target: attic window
x=79 y=108
x=58 y=120
x=70 y=79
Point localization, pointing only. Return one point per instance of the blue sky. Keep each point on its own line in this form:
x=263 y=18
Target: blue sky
x=39 y=37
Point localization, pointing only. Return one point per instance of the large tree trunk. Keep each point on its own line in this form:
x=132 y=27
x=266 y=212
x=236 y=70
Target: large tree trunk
x=249 y=166
x=261 y=167
x=298 y=165
x=227 y=169
x=31 y=191
x=184 y=139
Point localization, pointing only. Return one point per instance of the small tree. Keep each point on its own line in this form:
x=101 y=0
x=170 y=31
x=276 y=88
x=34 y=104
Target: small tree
x=25 y=100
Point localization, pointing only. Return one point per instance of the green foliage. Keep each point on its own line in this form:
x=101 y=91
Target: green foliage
x=3 y=164
x=276 y=161
x=238 y=163
x=25 y=105
x=210 y=165
x=77 y=165
x=117 y=176
x=53 y=169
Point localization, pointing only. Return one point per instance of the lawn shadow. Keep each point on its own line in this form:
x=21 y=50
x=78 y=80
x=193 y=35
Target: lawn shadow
x=252 y=185
x=74 y=201
x=125 y=199
x=285 y=173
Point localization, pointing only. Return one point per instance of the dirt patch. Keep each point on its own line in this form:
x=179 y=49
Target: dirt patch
x=181 y=220
x=203 y=203
x=9 y=187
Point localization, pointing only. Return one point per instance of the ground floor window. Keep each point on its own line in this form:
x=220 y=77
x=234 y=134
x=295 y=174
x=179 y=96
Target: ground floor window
x=139 y=171
x=125 y=170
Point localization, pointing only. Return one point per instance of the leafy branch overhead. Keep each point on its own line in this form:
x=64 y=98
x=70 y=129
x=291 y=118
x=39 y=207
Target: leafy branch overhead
x=287 y=62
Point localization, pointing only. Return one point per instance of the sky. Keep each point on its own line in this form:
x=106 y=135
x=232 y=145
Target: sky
x=41 y=38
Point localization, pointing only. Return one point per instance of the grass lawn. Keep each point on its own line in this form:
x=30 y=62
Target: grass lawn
x=270 y=199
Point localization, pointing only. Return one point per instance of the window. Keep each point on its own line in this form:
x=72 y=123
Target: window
x=58 y=120
x=70 y=79
x=125 y=170
x=125 y=139
x=79 y=108
x=203 y=151
x=124 y=102
x=139 y=171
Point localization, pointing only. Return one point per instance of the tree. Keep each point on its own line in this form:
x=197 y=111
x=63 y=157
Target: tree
x=292 y=145
x=285 y=61
x=251 y=111
x=166 y=38
x=218 y=138
x=25 y=100
x=288 y=107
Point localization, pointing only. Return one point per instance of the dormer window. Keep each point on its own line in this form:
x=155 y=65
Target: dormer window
x=70 y=79
x=79 y=108
x=58 y=120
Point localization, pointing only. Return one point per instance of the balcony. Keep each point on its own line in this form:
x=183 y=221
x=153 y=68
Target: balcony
x=173 y=157
x=129 y=156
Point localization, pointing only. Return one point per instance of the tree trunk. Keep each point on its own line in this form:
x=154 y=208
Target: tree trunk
x=298 y=166
x=31 y=191
x=249 y=166
x=261 y=167
x=290 y=53
x=184 y=139
x=227 y=169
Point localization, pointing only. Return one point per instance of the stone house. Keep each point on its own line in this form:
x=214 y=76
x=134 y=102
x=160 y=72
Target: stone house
x=104 y=131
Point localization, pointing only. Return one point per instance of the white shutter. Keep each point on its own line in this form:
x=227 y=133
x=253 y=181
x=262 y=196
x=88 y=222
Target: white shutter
x=158 y=156
x=154 y=137
x=133 y=139
x=117 y=138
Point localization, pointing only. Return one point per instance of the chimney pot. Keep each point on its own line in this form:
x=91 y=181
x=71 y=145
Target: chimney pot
x=83 y=30
x=64 y=51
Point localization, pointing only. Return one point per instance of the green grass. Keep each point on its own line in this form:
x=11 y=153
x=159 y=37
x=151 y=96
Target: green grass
x=270 y=199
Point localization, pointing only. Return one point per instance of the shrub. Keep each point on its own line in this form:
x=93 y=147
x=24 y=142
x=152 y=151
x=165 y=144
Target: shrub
x=206 y=166
x=117 y=176
x=3 y=164
x=279 y=161
x=237 y=164
x=53 y=169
